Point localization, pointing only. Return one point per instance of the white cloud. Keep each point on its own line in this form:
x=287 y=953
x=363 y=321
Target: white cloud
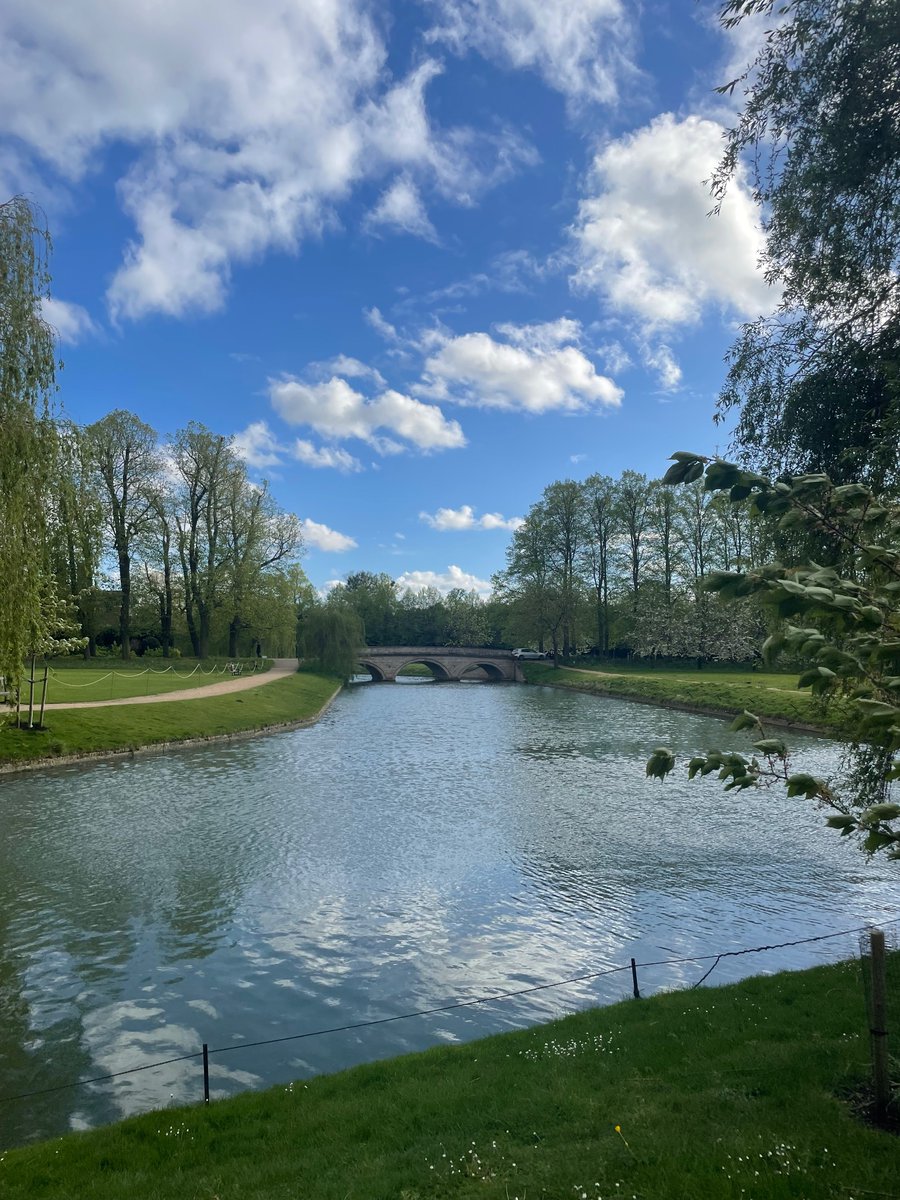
x=350 y=368
x=324 y=457
x=334 y=410
x=382 y=327
x=444 y=581
x=579 y=48
x=542 y=337
x=644 y=240
x=464 y=518
x=243 y=131
x=401 y=208
x=532 y=372
x=661 y=359
x=71 y=322
x=258 y=446
x=323 y=538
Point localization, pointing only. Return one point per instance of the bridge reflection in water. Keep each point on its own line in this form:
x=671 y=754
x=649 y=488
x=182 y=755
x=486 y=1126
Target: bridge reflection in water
x=451 y=663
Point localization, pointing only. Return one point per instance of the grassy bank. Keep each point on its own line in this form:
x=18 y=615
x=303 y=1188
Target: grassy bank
x=728 y=692
x=93 y=730
x=738 y=1092
x=114 y=680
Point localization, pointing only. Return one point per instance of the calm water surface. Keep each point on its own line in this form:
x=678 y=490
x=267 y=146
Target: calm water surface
x=421 y=844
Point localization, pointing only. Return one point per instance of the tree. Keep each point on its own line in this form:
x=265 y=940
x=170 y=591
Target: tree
x=258 y=535
x=331 y=638
x=601 y=526
x=77 y=528
x=847 y=627
x=124 y=451
x=633 y=494
x=374 y=598
x=819 y=131
x=203 y=461
x=29 y=605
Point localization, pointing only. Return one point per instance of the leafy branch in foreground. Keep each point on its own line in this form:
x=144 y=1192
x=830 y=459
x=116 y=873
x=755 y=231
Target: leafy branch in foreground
x=844 y=623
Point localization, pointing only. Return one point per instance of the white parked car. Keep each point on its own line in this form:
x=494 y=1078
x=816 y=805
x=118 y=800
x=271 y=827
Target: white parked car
x=521 y=652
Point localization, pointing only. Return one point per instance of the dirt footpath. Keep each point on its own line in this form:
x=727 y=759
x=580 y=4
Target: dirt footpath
x=281 y=668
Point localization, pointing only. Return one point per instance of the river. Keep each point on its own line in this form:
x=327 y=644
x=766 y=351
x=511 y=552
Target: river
x=422 y=844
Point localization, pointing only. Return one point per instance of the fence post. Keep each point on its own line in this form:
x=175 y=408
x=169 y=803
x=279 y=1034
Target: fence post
x=637 y=994
x=205 y=1073
x=878 y=1030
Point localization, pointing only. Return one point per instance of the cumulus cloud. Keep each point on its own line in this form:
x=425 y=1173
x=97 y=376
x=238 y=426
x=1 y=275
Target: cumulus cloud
x=661 y=359
x=324 y=457
x=444 y=581
x=533 y=371
x=241 y=136
x=323 y=538
x=464 y=518
x=258 y=446
x=335 y=410
x=401 y=208
x=350 y=368
x=644 y=240
x=71 y=322
x=580 y=49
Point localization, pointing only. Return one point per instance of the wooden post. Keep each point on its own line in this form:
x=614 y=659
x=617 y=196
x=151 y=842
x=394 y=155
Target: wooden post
x=634 y=981
x=43 y=696
x=31 y=694
x=878 y=1030
x=205 y=1073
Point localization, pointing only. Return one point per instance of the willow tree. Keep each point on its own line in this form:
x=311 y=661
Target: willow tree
x=28 y=603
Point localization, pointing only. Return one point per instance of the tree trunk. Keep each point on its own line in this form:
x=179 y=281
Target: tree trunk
x=233 y=630
x=125 y=606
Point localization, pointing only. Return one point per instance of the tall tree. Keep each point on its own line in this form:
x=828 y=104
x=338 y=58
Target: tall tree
x=77 y=534
x=601 y=528
x=819 y=131
x=202 y=461
x=28 y=442
x=634 y=493
x=127 y=461
x=258 y=535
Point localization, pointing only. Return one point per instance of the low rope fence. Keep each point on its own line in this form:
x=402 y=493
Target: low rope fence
x=206 y=1052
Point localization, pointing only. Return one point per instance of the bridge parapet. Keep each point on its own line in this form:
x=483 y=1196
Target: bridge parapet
x=446 y=662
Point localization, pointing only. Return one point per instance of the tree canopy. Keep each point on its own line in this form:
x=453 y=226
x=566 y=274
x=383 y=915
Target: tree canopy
x=818 y=131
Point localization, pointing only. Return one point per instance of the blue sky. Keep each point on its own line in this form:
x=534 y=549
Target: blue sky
x=421 y=259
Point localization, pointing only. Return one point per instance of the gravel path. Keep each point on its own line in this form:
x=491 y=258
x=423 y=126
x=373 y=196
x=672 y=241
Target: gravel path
x=281 y=668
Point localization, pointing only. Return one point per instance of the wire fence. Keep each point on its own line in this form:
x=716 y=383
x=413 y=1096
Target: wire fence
x=632 y=967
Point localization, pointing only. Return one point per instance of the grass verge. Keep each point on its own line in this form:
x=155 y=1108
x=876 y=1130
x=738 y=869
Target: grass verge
x=95 y=730
x=119 y=681
x=767 y=695
x=732 y=1092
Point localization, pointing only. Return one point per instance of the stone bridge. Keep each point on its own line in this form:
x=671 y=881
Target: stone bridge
x=384 y=663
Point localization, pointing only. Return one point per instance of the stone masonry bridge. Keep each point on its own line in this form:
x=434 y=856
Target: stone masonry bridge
x=384 y=663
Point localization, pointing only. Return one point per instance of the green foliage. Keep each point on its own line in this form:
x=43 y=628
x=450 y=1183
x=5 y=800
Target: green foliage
x=29 y=608
x=330 y=639
x=819 y=134
x=847 y=627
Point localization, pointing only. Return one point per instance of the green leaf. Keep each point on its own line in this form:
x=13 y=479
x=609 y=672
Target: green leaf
x=660 y=763
x=771 y=746
x=744 y=720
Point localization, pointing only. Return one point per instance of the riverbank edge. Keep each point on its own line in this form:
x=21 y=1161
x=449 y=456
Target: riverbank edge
x=608 y=1092
x=704 y=710
x=68 y=760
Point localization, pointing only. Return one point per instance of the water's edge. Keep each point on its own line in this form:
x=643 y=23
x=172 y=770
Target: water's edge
x=65 y=760
x=703 y=710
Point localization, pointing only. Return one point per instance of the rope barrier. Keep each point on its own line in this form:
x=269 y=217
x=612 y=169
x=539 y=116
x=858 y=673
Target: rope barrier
x=442 y=1008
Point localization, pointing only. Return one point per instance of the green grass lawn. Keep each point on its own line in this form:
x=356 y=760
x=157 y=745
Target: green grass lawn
x=765 y=693
x=79 y=731
x=741 y=1093
x=117 y=680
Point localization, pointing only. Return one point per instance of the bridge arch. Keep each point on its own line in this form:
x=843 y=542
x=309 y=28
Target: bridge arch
x=438 y=670
x=491 y=670
x=378 y=676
